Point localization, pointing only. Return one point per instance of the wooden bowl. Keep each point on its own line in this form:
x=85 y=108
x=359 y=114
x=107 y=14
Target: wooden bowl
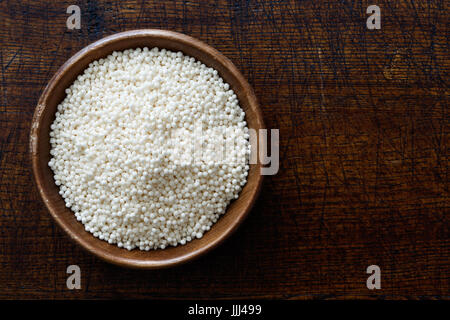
x=44 y=115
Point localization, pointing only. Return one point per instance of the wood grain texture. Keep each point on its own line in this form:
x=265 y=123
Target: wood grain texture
x=364 y=140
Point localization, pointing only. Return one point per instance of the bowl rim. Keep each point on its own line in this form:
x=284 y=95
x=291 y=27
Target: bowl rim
x=36 y=128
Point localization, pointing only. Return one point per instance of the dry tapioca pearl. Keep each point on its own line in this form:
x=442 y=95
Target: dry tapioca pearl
x=122 y=148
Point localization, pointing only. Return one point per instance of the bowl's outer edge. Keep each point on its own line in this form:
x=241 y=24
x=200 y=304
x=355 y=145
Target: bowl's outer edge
x=35 y=133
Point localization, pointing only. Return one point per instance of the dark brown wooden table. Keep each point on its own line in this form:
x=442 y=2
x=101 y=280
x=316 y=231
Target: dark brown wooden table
x=364 y=145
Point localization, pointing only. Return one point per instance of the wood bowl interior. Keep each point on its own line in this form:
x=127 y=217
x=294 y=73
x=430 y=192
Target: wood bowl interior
x=44 y=115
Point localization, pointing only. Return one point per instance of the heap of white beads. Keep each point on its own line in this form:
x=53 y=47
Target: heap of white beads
x=137 y=148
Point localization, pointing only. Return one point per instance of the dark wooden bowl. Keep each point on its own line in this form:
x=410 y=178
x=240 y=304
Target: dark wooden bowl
x=44 y=115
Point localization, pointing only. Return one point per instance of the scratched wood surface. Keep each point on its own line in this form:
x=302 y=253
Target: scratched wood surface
x=364 y=140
